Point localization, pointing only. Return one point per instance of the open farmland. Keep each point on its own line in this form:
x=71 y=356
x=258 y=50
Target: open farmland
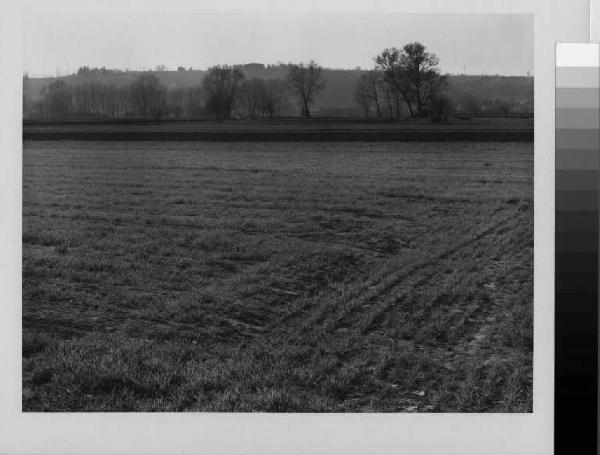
x=190 y=276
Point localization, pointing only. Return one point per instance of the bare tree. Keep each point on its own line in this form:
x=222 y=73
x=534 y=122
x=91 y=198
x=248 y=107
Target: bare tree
x=420 y=68
x=277 y=97
x=413 y=73
x=177 y=101
x=222 y=85
x=196 y=101
x=57 y=99
x=148 y=96
x=390 y=62
x=370 y=91
x=361 y=94
x=186 y=101
x=306 y=81
x=253 y=94
x=374 y=81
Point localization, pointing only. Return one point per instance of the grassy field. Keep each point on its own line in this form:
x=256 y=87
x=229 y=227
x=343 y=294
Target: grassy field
x=277 y=277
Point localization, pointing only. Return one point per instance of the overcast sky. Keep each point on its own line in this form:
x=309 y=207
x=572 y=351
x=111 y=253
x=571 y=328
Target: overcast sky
x=488 y=44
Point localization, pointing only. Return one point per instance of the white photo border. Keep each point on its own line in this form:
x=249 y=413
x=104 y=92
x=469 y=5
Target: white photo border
x=260 y=433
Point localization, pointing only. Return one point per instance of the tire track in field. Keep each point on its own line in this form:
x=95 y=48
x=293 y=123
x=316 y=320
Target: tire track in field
x=470 y=348
x=474 y=309
x=480 y=324
x=383 y=285
x=481 y=316
x=503 y=224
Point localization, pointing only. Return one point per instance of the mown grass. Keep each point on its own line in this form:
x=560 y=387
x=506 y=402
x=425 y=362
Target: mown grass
x=277 y=277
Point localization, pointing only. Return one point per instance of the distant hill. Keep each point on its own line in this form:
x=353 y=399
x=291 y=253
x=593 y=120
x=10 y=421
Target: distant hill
x=336 y=97
x=517 y=89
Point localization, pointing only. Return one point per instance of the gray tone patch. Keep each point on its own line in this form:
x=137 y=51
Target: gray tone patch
x=577 y=97
x=578 y=118
x=577 y=77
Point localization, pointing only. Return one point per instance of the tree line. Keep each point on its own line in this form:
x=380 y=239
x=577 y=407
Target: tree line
x=404 y=82
x=223 y=92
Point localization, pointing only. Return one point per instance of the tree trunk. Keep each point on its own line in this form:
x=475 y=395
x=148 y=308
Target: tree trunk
x=306 y=110
x=410 y=109
x=377 y=105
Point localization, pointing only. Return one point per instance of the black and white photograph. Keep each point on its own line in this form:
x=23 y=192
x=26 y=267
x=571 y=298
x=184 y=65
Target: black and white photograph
x=277 y=212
